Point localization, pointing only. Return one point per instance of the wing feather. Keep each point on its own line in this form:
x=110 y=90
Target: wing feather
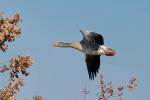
x=92 y=37
x=93 y=63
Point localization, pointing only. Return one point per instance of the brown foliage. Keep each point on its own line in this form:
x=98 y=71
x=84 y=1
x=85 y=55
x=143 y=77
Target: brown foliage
x=108 y=91
x=17 y=65
x=37 y=98
x=9 y=92
x=9 y=30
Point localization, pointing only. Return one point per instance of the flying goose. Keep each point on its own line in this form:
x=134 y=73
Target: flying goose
x=92 y=45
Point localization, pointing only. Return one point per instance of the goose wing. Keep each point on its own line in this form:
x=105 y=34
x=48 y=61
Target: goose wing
x=93 y=63
x=92 y=37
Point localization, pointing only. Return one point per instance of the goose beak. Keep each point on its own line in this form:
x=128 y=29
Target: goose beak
x=108 y=51
x=58 y=44
x=54 y=44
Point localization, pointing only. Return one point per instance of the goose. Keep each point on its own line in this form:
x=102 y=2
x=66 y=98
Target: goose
x=92 y=45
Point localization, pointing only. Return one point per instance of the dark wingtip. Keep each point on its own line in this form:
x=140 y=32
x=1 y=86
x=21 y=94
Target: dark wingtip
x=81 y=31
x=92 y=75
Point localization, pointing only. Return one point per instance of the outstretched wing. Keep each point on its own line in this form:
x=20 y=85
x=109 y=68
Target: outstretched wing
x=93 y=63
x=92 y=37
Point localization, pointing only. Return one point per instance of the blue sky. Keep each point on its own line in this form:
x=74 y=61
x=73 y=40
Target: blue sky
x=61 y=73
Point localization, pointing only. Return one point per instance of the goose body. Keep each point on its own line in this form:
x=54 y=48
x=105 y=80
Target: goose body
x=92 y=45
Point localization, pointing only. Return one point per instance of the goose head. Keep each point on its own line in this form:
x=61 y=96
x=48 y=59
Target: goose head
x=59 y=44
